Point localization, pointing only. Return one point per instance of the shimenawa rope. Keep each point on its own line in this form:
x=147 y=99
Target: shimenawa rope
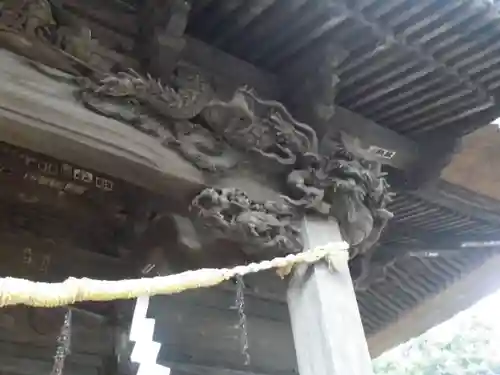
x=15 y=291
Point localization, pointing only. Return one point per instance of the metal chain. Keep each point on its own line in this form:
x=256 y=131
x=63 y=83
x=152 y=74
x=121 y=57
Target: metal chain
x=240 y=304
x=63 y=345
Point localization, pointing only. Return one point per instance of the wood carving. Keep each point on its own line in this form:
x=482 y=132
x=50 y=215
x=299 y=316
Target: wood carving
x=346 y=186
x=183 y=98
x=259 y=227
x=264 y=128
x=185 y=113
x=202 y=148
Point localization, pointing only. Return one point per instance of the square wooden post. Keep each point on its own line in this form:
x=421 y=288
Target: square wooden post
x=326 y=324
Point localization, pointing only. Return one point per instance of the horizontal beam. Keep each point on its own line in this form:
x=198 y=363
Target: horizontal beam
x=29 y=256
x=371 y=134
x=41 y=114
x=28 y=351
x=228 y=70
x=28 y=366
x=208 y=333
x=197 y=369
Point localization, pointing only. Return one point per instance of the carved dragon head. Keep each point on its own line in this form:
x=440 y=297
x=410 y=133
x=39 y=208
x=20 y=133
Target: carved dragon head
x=263 y=127
x=228 y=117
x=259 y=227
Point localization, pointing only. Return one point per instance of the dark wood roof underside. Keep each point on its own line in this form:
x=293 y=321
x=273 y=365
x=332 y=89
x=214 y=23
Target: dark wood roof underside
x=411 y=66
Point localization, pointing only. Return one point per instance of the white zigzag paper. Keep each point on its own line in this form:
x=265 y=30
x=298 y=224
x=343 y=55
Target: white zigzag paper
x=145 y=350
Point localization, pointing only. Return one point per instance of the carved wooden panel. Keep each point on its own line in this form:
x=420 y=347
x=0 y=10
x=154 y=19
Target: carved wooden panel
x=188 y=113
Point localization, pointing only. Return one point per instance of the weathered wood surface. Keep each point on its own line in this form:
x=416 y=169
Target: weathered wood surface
x=40 y=113
x=327 y=329
x=28 y=256
x=228 y=72
x=406 y=151
x=199 y=330
x=40 y=327
x=28 y=342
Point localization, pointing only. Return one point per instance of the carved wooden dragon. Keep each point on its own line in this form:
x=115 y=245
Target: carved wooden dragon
x=215 y=135
x=182 y=99
x=262 y=127
x=258 y=227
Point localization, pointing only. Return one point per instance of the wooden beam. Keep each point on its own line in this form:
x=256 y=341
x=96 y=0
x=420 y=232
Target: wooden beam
x=27 y=255
x=161 y=35
x=227 y=70
x=371 y=134
x=26 y=350
x=41 y=114
x=194 y=369
x=32 y=333
x=200 y=328
x=28 y=366
x=326 y=324
x=462 y=200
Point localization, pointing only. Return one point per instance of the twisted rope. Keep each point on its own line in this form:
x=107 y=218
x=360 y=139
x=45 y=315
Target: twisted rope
x=15 y=291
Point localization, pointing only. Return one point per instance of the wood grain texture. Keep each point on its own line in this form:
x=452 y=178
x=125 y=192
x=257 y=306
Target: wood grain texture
x=200 y=329
x=40 y=113
x=28 y=342
x=327 y=329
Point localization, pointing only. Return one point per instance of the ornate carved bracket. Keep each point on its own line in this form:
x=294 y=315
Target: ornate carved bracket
x=217 y=135
x=259 y=227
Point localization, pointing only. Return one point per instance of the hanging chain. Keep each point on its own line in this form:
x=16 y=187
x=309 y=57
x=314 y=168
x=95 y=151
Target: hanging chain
x=240 y=304
x=63 y=345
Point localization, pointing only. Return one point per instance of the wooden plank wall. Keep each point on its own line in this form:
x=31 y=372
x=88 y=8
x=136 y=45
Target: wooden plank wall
x=200 y=328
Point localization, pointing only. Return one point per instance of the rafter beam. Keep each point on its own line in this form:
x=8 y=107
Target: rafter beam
x=462 y=200
x=389 y=39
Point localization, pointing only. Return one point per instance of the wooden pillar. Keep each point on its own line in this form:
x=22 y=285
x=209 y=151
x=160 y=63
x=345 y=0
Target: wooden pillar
x=327 y=330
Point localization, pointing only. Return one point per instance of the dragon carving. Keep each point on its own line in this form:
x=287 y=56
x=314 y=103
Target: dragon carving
x=185 y=113
x=183 y=98
x=350 y=188
x=262 y=127
x=259 y=227
x=202 y=148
